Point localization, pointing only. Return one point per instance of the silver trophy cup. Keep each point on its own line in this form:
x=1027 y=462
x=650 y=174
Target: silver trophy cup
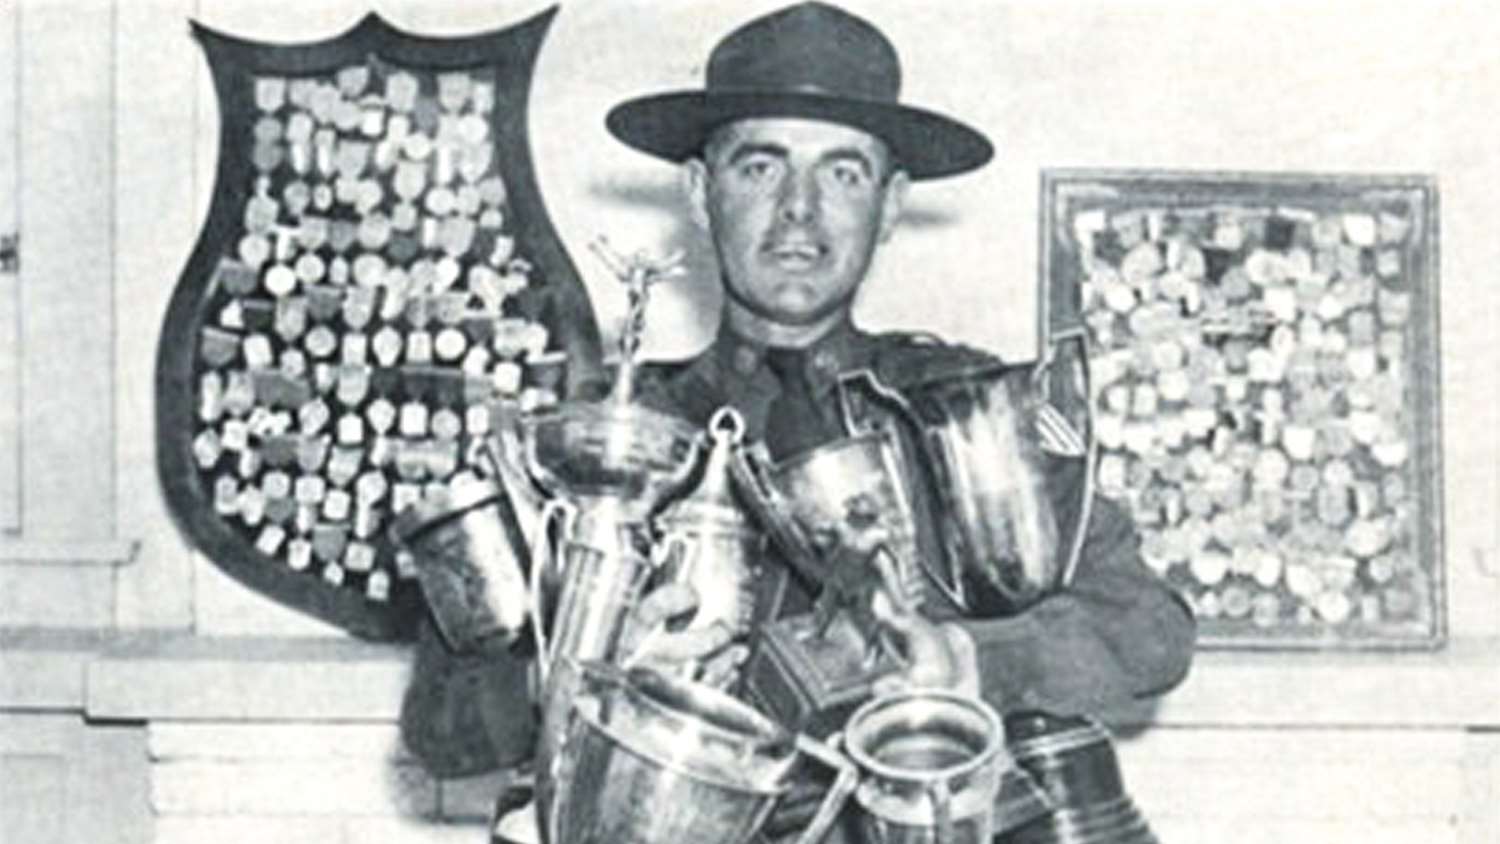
x=651 y=759
x=931 y=764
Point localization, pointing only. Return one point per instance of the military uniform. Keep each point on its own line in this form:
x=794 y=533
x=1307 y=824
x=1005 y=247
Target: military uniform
x=1115 y=634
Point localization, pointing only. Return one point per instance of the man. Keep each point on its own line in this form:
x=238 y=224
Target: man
x=797 y=158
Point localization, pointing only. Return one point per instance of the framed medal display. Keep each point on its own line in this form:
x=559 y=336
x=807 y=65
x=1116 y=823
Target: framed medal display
x=1263 y=369
x=376 y=269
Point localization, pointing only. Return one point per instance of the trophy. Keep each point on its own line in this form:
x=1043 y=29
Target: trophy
x=707 y=540
x=652 y=759
x=1073 y=760
x=932 y=765
x=841 y=517
x=604 y=466
x=465 y=546
x=984 y=467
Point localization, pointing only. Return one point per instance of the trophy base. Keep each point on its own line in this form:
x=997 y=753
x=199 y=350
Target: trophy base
x=810 y=683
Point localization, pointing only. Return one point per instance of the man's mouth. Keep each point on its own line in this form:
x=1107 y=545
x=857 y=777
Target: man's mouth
x=798 y=255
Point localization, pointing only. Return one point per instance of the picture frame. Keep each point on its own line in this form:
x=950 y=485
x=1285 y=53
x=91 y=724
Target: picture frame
x=1263 y=370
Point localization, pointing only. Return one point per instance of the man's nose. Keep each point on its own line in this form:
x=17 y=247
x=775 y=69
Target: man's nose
x=799 y=197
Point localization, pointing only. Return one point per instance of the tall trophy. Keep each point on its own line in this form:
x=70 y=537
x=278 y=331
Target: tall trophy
x=604 y=467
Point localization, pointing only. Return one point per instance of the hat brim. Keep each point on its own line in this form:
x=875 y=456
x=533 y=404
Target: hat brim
x=675 y=125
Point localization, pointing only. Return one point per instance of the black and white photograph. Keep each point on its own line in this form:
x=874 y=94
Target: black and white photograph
x=749 y=422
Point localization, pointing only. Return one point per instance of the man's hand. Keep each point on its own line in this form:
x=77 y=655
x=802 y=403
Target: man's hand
x=705 y=654
x=937 y=655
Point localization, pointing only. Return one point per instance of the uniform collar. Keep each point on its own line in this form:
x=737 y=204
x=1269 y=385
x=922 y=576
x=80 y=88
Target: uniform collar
x=842 y=349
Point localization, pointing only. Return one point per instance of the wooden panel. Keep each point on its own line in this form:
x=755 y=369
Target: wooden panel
x=67 y=209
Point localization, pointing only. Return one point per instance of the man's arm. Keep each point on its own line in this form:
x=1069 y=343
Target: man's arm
x=465 y=714
x=1115 y=634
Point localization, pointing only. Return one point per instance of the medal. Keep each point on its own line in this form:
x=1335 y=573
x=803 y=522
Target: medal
x=329 y=542
x=270 y=93
x=450 y=344
x=266 y=157
x=474 y=158
x=447 y=424
x=401 y=91
x=312 y=416
x=418 y=145
x=477 y=420
x=321 y=99
x=413 y=419
x=492 y=191
x=359 y=302
x=321 y=341
x=239 y=393
x=359 y=557
x=270 y=539
x=374 y=232
x=210 y=397
x=440 y=202
x=226 y=496
x=356 y=349
x=309 y=269
x=372 y=125
x=351 y=429
x=353 y=386
x=299 y=554
x=322 y=196
x=454 y=90
x=484 y=97
x=410 y=180
x=456 y=236
x=254 y=250
x=206 y=449
x=368 y=195
x=419 y=347
x=443 y=165
x=252 y=506
x=387 y=346
x=336 y=505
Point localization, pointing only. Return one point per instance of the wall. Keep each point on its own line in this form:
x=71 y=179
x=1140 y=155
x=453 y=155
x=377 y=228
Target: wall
x=1328 y=86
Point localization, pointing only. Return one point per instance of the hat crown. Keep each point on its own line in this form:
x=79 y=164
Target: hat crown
x=811 y=47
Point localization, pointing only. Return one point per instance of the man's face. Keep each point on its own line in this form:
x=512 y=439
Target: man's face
x=795 y=208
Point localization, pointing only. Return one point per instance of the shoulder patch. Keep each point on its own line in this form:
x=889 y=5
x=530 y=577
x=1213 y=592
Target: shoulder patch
x=1058 y=435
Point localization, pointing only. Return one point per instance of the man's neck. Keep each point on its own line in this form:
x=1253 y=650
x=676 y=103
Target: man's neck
x=757 y=328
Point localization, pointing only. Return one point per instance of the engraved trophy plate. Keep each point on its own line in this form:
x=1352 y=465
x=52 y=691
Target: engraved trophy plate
x=339 y=311
x=1262 y=351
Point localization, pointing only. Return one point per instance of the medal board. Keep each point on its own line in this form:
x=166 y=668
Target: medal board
x=377 y=270
x=1263 y=377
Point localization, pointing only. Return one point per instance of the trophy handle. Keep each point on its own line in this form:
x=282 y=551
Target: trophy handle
x=750 y=470
x=838 y=795
x=942 y=811
x=541 y=560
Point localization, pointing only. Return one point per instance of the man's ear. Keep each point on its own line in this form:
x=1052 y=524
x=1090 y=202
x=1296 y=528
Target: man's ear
x=695 y=185
x=892 y=203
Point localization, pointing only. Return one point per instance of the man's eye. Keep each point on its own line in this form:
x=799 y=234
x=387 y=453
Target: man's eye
x=849 y=175
x=757 y=168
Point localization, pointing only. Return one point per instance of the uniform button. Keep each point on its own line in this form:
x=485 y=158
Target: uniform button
x=825 y=361
x=745 y=360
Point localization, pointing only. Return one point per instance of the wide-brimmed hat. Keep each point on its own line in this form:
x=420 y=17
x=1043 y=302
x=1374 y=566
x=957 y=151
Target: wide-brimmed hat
x=813 y=61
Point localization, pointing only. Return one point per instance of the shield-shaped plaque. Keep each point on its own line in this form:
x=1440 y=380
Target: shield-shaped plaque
x=323 y=146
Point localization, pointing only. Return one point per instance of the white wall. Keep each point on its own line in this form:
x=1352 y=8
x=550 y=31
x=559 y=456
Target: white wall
x=1324 y=86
